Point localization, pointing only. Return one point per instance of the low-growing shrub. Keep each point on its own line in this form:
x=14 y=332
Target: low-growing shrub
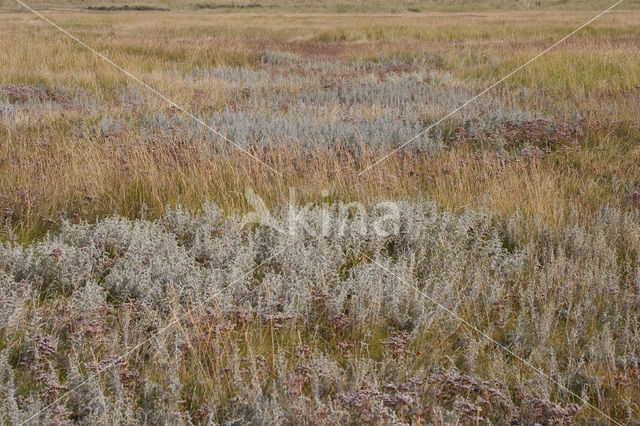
x=328 y=318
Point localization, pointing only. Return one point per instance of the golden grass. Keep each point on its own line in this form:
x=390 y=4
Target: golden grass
x=481 y=46
x=82 y=180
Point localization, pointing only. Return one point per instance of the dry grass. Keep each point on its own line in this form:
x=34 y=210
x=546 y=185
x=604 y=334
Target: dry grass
x=327 y=6
x=81 y=181
x=52 y=167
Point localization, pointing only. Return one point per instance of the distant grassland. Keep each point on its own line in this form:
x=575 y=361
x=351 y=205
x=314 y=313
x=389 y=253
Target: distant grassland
x=333 y=6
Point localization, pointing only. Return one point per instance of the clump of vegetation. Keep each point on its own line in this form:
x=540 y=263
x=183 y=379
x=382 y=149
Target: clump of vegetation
x=126 y=7
x=226 y=6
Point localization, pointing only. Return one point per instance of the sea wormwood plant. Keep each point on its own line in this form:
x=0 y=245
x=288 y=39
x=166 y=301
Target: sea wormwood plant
x=565 y=300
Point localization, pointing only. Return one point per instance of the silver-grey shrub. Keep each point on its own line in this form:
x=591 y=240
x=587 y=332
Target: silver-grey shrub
x=563 y=298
